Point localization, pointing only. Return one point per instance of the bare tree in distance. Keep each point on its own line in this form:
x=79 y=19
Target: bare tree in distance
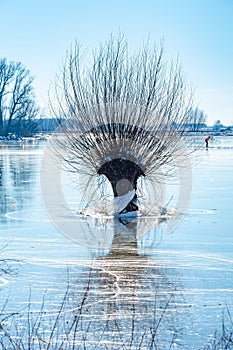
x=123 y=115
x=18 y=108
x=196 y=119
x=217 y=125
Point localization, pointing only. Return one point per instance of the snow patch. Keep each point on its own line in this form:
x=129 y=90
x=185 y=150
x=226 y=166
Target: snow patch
x=110 y=208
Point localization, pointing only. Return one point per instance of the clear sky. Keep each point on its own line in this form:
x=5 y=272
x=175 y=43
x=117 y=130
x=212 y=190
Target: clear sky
x=38 y=33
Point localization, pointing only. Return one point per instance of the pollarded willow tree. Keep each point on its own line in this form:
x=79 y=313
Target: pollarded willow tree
x=122 y=115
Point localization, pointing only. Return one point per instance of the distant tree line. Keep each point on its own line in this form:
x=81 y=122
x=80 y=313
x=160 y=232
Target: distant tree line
x=46 y=125
x=19 y=112
x=18 y=108
x=196 y=119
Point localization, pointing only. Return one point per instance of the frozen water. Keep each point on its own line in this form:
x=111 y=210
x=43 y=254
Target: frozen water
x=127 y=282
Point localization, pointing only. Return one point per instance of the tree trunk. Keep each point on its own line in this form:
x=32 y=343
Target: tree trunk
x=123 y=175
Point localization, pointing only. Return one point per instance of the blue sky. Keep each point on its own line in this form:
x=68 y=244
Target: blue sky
x=38 y=33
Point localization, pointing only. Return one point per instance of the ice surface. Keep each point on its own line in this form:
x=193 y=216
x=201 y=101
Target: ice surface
x=128 y=277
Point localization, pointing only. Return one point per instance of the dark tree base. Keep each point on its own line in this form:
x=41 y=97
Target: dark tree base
x=123 y=175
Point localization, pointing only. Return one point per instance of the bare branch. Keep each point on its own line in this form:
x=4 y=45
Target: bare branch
x=16 y=95
x=124 y=111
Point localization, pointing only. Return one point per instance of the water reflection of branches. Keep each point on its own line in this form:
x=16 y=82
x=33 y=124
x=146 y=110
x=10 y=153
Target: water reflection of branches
x=130 y=298
x=16 y=173
x=99 y=232
x=145 y=300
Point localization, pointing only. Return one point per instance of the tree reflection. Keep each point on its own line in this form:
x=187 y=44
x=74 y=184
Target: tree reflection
x=131 y=302
x=18 y=171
